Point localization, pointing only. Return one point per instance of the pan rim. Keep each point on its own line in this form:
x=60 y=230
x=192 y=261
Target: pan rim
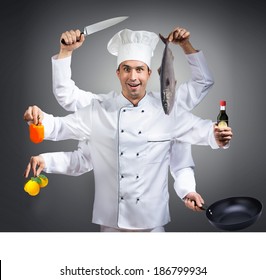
x=249 y=221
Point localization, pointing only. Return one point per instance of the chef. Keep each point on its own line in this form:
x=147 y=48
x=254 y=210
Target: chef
x=132 y=141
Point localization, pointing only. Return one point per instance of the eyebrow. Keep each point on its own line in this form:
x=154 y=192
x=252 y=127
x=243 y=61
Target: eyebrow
x=139 y=66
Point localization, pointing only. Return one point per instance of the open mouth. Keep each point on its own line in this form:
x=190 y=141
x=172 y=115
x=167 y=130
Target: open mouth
x=133 y=86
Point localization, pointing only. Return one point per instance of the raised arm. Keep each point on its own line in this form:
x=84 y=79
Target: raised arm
x=68 y=95
x=191 y=93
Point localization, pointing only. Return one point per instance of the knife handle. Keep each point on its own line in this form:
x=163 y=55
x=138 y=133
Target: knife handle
x=64 y=43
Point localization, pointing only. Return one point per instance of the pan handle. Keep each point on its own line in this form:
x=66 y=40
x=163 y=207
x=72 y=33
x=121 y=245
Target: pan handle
x=203 y=207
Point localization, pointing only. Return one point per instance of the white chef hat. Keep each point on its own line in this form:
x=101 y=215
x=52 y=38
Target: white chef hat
x=133 y=45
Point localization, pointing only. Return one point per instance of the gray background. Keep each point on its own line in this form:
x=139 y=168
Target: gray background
x=232 y=36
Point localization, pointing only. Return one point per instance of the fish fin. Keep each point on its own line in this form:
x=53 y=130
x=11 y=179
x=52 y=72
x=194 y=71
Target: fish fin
x=159 y=70
x=163 y=38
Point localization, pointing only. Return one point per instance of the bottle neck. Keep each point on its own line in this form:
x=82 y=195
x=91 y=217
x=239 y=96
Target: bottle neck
x=222 y=108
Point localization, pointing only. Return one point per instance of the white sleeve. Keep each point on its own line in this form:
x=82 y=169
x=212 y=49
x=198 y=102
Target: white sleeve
x=68 y=95
x=191 y=93
x=75 y=126
x=69 y=163
x=191 y=129
x=182 y=168
x=184 y=181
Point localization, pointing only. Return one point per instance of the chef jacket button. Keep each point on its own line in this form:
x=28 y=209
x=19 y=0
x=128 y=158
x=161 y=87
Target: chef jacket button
x=122 y=176
x=142 y=111
x=124 y=110
x=122 y=197
x=139 y=132
x=122 y=130
x=137 y=154
x=121 y=153
x=137 y=177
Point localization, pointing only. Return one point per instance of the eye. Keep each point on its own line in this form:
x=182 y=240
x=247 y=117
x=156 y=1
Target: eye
x=126 y=69
x=139 y=69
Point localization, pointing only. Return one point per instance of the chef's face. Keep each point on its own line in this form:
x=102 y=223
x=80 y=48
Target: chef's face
x=133 y=76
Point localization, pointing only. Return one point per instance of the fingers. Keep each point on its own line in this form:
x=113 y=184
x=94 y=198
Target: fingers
x=179 y=34
x=39 y=170
x=72 y=37
x=191 y=204
x=194 y=201
x=223 y=134
x=34 y=114
x=27 y=171
x=36 y=164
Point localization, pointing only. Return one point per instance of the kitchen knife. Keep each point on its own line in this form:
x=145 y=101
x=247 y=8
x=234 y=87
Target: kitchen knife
x=100 y=26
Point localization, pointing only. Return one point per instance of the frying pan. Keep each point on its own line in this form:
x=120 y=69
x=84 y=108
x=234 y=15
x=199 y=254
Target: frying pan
x=233 y=213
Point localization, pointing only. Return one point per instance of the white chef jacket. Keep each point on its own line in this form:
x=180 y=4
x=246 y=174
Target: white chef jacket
x=72 y=98
x=130 y=151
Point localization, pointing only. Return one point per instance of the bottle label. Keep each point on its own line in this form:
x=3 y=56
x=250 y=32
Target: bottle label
x=222 y=124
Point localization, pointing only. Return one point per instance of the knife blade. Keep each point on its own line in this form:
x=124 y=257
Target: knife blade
x=100 y=26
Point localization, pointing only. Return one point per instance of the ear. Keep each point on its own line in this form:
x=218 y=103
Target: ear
x=117 y=73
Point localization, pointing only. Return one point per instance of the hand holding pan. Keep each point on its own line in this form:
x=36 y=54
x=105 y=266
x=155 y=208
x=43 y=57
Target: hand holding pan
x=233 y=213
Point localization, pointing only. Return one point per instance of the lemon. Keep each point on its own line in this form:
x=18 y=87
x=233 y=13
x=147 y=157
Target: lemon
x=32 y=186
x=222 y=124
x=44 y=180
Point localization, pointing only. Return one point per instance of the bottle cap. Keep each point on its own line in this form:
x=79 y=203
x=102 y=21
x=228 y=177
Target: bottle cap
x=222 y=103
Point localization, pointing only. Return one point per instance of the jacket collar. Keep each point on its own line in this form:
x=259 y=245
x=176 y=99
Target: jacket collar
x=124 y=102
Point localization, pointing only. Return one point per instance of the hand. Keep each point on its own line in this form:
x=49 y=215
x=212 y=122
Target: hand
x=222 y=135
x=179 y=36
x=73 y=40
x=33 y=114
x=193 y=201
x=37 y=164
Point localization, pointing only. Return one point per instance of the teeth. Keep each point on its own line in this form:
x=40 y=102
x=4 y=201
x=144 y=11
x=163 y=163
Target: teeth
x=133 y=85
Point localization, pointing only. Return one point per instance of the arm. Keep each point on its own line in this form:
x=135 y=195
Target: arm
x=68 y=95
x=182 y=170
x=69 y=163
x=74 y=126
x=197 y=131
x=191 y=93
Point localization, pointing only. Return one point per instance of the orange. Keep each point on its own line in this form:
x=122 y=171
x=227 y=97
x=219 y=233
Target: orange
x=44 y=180
x=32 y=186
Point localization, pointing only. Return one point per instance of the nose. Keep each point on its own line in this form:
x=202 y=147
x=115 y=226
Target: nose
x=133 y=75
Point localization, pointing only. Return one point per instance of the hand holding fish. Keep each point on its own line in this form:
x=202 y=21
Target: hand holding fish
x=180 y=36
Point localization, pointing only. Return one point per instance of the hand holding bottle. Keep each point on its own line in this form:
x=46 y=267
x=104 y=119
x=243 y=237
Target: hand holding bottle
x=222 y=135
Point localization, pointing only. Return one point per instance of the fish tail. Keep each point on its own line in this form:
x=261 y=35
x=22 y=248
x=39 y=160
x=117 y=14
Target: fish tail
x=165 y=40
